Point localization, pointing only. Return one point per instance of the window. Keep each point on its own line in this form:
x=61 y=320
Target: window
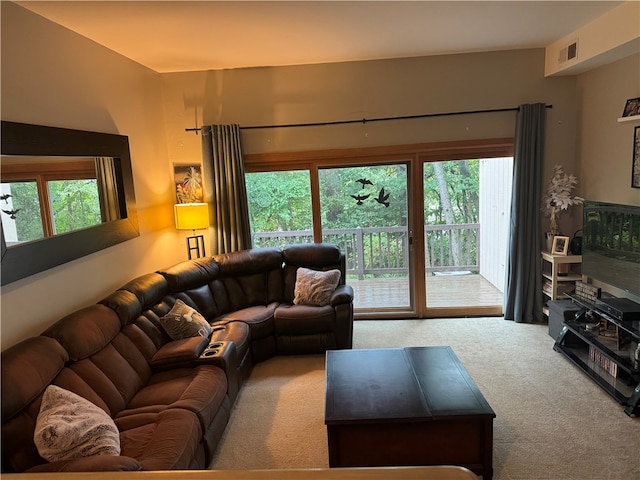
x=41 y=204
x=376 y=204
x=279 y=207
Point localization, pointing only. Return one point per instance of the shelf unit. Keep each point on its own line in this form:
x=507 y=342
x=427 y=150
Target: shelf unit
x=606 y=354
x=632 y=118
x=554 y=283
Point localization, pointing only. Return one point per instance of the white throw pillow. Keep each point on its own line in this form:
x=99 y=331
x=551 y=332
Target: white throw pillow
x=182 y=321
x=69 y=426
x=314 y=287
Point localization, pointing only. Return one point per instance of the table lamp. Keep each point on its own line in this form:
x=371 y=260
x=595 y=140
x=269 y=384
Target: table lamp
x=193 y=216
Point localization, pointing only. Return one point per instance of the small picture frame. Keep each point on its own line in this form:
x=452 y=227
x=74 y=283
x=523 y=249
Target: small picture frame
x=632 y=107
x=188 y=183
x=560 y=245
x=635 y=165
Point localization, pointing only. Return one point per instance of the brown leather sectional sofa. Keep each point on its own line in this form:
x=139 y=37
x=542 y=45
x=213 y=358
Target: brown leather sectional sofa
x=171 y=399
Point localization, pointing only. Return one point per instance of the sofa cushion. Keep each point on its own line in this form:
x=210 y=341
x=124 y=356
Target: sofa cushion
x=148 y=288
x=68 y=426
x=311 y=254
x=259 y=319
x=166 y=440
x=314 y=287
x=85 y=331
x=125 y=304
x=318 y=256
x=191 y=274
x=248 y=278
x=304 y=319
x=27 y=369
x=183 y=321
x=106 y=367
x=200 y=390
x=179 y=352
x=249 y=262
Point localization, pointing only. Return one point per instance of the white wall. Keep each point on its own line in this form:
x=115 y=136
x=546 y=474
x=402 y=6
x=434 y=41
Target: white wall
x=51 y=76
x=610 y=37
x=605 y=147
x=370 y=89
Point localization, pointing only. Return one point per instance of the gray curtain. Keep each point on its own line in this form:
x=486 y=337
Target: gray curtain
x=107 y=179
x=223 y=167
x=523 y=291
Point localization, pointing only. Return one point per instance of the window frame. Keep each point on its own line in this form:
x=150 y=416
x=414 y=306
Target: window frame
x=42 y=174
x=414 y=155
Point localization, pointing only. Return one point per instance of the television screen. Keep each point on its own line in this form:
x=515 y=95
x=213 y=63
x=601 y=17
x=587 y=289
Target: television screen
x=611 y=244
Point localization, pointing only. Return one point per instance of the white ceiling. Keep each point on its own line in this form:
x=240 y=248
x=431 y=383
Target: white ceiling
x=170 y=36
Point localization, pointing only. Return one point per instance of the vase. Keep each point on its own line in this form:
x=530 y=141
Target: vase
x=549 y=239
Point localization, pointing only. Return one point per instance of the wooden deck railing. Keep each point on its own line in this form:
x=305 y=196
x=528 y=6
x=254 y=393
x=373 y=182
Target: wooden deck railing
x=380 y=251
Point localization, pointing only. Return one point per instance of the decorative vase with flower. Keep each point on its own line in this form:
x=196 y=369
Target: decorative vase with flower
x=557 y=199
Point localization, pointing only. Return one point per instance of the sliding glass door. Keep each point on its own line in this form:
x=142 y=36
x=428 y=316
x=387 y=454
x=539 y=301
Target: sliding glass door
x=424 y=227
x=364 y=210
x=466 y=216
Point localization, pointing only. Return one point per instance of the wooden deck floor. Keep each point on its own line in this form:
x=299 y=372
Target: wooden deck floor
x=445 y=291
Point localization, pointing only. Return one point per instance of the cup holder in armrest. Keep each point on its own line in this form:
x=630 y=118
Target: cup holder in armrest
x=213 y=349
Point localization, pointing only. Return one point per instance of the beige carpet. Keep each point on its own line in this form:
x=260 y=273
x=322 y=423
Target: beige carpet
x=552 y=421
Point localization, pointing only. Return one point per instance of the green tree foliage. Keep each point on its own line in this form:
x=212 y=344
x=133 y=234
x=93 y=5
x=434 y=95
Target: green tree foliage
x=463 y=185
x=24 y=200
x=75 y=204
x=340 y=210
x=349 y=200
x=451 y=197
x=279 y=201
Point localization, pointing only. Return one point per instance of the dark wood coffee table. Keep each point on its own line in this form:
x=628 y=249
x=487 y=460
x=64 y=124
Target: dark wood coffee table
x=406 y=406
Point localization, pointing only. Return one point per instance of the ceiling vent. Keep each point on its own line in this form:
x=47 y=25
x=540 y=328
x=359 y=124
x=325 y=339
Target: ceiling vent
x=568 y=53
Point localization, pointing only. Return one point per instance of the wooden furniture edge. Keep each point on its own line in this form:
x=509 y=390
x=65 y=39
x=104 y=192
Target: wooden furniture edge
x=379 y=473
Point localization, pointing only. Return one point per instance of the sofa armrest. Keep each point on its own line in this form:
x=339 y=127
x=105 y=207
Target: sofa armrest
x=95 y=463
x=179 y=352
x=342 y=294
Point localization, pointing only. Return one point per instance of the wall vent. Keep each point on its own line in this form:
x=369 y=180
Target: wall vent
x=568 y=53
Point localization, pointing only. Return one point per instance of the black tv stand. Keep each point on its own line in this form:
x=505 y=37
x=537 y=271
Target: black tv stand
x=605 y=353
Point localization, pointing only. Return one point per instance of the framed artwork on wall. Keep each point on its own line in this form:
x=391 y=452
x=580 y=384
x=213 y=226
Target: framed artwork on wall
x=560 y=245
x=188 y=181
x=632 y=107
x=635 y=167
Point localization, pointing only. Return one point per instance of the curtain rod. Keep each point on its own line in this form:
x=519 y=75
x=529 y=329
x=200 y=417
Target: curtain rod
x=383 y=119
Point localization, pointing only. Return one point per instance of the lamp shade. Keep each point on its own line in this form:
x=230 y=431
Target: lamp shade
x=191 y=216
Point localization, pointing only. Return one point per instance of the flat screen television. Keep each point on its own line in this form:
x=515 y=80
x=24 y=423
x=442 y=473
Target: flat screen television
x=611 y=244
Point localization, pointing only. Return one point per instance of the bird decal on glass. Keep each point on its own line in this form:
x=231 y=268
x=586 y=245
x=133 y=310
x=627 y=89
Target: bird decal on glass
x=364 y=182
x=382 y=198
x=5 y=197
x=360 y=198
x=12 y=213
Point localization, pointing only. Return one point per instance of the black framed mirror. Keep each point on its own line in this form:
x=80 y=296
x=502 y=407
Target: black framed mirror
x=21 y=259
